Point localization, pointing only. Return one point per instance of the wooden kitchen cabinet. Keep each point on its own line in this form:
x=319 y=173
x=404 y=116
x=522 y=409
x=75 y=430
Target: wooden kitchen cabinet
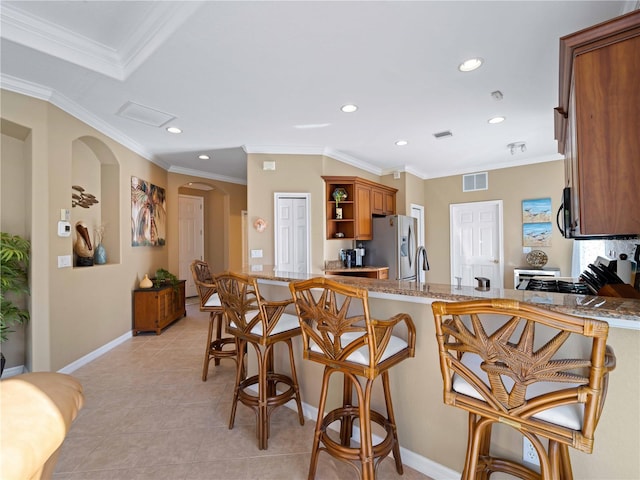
x=597 y=126
x=383 y=201
x=155 y=308
x=364 y=199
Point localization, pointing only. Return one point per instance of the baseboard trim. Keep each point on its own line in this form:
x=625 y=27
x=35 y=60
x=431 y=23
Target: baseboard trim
x=82 y=361
x=13 y=371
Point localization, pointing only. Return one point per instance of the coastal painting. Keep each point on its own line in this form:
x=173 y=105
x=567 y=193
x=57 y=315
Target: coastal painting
x=536 y=234
x=537 y=210
x=148 y=214
x=536 y=222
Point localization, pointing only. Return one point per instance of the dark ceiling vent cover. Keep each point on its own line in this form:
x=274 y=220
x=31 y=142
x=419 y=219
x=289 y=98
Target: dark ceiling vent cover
x=475 y=181
x=445 y=134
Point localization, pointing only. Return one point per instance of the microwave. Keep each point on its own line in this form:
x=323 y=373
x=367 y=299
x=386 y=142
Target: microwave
x=566 y=222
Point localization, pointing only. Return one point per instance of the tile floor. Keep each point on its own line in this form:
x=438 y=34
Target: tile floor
x=148 y=415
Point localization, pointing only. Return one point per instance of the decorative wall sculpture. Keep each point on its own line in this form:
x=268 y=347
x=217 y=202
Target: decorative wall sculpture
x=148 y=213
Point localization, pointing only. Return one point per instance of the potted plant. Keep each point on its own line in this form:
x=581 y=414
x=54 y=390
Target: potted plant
x=164 y=277
x=14 y=281
x=339 y=194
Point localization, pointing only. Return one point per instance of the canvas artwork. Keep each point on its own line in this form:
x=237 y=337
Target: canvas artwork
x=536 y=222
x=148 y=213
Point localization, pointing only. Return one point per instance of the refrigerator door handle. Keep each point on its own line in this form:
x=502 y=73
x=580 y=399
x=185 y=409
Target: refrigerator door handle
x=410 y=245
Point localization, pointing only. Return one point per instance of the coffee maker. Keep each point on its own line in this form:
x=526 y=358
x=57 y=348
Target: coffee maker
x=352 y=257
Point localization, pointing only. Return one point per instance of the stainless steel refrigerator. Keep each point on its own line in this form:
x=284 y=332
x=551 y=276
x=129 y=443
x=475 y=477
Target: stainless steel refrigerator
x=394 y=245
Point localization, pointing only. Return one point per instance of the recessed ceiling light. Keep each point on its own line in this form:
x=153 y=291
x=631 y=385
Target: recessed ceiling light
x=349 y=108
x=402 y=143
x=494 y=120
x=203 y=157
x=470 y=65
x=173 y=130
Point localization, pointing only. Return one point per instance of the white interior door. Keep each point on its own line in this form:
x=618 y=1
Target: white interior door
x=191 y=231
x=291 y=241
x=476 y=242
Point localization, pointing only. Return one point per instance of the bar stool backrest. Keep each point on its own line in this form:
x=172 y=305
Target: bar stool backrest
x=205 y=285
x=337 y=328
x=521 y=365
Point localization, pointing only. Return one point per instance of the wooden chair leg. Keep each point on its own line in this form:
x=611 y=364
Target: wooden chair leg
x=392 y=420
x=366 y=442
x=566 y=473
x=346 y=425
x=265 y=390
x=207 y=356
x=315 y=449
x=294 y=378
x=217 y=319
x=240 y=372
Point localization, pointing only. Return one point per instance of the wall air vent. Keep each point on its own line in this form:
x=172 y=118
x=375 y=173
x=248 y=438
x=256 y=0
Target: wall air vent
x=475 y=181
x=445 y=134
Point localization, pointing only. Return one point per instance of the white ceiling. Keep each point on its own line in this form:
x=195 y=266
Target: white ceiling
x=271 y=77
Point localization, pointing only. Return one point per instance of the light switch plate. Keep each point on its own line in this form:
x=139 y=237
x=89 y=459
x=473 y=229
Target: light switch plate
x=64 y=261
x=256 y=253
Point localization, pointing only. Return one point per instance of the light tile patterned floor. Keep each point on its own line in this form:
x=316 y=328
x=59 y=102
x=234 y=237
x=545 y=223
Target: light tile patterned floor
x=148 y=415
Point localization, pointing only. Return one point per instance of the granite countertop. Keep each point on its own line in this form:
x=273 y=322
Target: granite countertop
x=619 y=312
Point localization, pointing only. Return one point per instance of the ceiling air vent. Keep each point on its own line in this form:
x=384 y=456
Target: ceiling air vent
x=475 y=181
x=445 y=134
x=148 y=116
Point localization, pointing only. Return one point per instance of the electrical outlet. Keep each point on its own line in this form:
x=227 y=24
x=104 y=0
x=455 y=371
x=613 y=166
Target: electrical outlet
x=529 y=453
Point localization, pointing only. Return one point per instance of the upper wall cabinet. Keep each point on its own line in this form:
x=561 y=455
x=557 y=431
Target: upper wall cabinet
x=350 y=217
x=597 y=126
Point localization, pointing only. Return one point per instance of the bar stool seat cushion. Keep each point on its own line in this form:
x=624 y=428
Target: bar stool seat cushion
x=361 y=356
x=285 y=323
x=569 y=416
x=213 y=301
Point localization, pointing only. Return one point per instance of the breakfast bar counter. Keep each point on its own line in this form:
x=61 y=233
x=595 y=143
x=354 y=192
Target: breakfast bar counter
x=432 y=435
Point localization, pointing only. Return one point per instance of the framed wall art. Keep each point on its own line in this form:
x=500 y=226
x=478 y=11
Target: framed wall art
x=148 y=214
x=536 y=222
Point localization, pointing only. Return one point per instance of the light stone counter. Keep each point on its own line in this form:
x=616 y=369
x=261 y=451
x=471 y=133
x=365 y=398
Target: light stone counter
x=618 y=312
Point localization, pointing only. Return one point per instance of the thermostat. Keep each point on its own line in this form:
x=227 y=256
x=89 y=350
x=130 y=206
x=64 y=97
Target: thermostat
x=64 y=229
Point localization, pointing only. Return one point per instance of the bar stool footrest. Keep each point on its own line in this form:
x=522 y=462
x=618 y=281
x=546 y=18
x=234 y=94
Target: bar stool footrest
x=216 y=348
x=336 y=449
x=251 y=399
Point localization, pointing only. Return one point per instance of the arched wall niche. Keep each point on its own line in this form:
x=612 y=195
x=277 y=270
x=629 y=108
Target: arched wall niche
x=216 y=221
x=96 y=169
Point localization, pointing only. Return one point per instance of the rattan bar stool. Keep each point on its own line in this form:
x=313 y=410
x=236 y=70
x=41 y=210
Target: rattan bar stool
x=218 y=347
x=513 y=363
x=262 y=324
x=338 y=332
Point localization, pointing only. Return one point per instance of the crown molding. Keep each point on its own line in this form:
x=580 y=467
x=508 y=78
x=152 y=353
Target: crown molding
x=349 y=160
x=59 y=42
x=72 y=108
x=51 y=39
x=284 y=149
x=211 y=176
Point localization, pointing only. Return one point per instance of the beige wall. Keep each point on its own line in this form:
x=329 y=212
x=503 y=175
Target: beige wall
x=75 y=311
x=302 y=173
x=511 y=185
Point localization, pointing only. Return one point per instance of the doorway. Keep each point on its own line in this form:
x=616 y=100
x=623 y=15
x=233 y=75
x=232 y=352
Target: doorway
x=417 y=212
x=477 y=242
x=291 y=230
x=191 y=238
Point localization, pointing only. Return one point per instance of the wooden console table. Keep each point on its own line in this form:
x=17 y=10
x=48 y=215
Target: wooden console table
x=155 y=308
